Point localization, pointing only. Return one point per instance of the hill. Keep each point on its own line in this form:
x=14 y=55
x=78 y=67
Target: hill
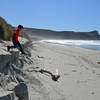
x=49 y=34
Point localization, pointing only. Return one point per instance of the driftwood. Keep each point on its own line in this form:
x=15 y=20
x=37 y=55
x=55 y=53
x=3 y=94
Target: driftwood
x=42 y=71
x=98 y=62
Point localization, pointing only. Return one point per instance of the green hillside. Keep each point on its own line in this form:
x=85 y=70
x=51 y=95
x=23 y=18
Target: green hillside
x=5 y=30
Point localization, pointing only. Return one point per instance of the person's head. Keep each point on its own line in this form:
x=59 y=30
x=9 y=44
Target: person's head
x=20 y=27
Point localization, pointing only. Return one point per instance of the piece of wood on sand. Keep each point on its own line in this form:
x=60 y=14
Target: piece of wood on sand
x=98 y=62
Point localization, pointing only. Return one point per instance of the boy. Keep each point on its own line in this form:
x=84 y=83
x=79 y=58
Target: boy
x=16 y=43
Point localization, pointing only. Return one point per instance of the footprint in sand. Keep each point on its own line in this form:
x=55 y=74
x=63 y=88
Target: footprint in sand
x=74 y=70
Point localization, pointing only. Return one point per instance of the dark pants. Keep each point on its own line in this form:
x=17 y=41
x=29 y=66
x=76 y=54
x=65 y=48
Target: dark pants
x=17 y=45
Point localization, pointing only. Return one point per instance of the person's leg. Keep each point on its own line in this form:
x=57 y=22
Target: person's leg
x=20 y=47
x=13 y=46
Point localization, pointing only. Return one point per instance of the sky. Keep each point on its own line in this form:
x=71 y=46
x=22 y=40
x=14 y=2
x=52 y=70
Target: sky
x=60 y=15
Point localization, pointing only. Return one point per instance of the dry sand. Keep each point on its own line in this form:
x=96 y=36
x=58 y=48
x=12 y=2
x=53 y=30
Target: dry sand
x=80 y=74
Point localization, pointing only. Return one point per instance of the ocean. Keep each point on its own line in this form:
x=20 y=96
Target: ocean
x=88 y=44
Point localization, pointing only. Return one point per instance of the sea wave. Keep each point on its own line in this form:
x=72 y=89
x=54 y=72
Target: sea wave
x=90 y=44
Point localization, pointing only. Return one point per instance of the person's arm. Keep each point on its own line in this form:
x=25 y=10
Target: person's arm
x=17 y=34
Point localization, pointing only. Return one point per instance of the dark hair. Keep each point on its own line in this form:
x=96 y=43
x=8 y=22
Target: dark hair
x=20 y=26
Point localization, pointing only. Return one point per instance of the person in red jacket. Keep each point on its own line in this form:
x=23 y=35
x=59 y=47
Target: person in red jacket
x=16 y=43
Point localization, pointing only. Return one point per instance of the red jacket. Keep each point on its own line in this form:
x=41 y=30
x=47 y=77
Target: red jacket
x=15 y=35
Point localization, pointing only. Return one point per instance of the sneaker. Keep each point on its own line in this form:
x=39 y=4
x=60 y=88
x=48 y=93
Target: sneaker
x=8 y=48
x=23 y=53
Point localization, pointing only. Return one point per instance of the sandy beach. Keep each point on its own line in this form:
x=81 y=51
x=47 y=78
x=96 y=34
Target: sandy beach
x=78 y=68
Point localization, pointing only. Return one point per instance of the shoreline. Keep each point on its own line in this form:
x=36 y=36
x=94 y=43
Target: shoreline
x=86 y=46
